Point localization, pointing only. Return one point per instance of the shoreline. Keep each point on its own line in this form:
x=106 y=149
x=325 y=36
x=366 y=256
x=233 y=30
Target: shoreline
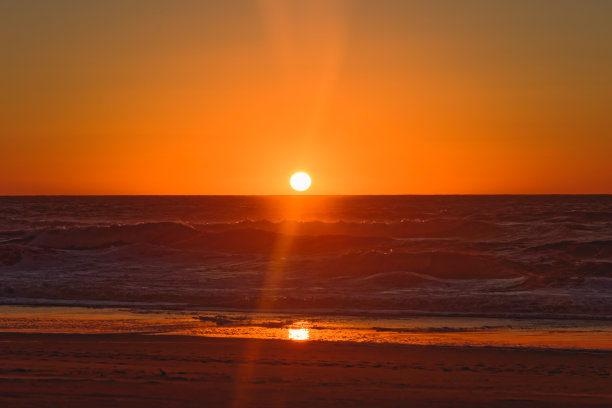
x=416 y=330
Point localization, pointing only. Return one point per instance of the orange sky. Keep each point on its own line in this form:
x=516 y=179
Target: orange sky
x=369 y=97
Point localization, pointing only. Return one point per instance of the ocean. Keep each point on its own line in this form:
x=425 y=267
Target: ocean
x=391 y=259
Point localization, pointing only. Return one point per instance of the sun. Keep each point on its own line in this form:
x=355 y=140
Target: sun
x=300 y=181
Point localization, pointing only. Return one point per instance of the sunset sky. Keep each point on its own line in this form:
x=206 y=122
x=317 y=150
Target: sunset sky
x=368 y=97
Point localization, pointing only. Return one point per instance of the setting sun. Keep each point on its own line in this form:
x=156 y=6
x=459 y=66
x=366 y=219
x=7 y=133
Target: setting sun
x=300 y=181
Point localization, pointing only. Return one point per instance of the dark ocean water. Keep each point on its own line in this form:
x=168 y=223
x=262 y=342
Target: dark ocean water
x=475 y=255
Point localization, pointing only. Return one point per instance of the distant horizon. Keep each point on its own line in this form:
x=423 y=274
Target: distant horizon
x=307 y=195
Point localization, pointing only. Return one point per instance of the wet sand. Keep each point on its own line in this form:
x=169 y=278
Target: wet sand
x=128 y=370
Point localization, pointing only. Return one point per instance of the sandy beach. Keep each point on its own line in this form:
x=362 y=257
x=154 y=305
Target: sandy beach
x=127 y=370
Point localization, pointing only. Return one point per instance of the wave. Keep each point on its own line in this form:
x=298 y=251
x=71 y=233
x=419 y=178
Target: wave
x=394 y=266
x=162 y=233
x=177 y=235
x=356 y=249
x=405 y=228
x=586 y=216
x=460 y=254
x=588 y=249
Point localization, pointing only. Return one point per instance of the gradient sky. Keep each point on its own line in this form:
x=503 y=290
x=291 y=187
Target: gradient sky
x=369 y=97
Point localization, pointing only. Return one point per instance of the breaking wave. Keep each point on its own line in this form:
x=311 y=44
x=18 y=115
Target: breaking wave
x=478 y=255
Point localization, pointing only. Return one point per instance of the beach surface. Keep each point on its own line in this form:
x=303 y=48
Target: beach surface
x=132 y=370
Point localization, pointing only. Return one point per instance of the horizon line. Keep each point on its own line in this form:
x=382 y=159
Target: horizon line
x=306 y=195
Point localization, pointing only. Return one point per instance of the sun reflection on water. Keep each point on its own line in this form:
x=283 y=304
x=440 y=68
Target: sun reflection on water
x=298 y=331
